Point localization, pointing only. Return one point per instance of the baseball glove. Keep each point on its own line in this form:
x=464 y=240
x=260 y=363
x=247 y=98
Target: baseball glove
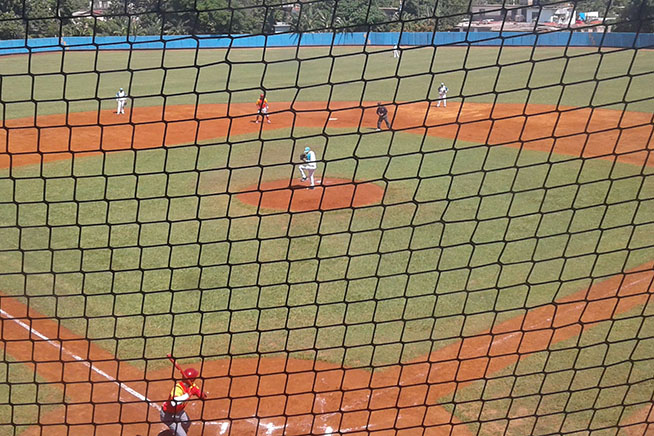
x=303 y=156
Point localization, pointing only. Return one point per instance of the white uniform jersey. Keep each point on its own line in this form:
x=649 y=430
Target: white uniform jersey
x=442 y=90
x=311 y=159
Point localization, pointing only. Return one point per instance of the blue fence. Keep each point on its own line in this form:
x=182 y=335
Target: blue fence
x=560 y=38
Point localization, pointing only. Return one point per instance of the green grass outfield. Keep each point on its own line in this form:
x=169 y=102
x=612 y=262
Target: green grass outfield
x=108 y=245
x=86 y=80
x=149 y=252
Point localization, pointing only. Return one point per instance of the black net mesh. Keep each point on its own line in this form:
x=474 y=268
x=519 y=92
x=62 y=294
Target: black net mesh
x=355 y=216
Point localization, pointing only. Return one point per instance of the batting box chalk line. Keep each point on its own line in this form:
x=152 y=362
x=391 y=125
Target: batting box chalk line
x=270 y=427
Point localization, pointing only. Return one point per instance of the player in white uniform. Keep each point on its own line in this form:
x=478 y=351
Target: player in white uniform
x=308 y=168
x=442 y=95
x=396 y=51
x=121 y=99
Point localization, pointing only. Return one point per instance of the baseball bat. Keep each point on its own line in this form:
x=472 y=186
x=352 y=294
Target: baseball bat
x=172 y=359
x=181 y=370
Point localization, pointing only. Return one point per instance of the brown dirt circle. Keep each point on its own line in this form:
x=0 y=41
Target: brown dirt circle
x=296 y=196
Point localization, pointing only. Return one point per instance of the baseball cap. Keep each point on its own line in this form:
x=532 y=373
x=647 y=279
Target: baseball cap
x=307 y=149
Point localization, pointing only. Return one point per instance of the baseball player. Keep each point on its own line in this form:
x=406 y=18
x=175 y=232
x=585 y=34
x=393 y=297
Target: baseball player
x=172 y=413
x=121 y=100
x=382 y=115
x=396 y=51
x=308 y=168
x=262 y=109
x=442 y=95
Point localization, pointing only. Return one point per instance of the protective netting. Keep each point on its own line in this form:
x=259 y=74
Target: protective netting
x=416 y=218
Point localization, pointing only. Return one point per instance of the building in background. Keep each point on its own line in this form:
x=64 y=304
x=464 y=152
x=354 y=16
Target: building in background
x=96 y=8
x=530 y=16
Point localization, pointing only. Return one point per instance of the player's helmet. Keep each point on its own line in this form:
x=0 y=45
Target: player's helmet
x=307 y=149
x=121 y=89
x=190 y=374
x=261 y=95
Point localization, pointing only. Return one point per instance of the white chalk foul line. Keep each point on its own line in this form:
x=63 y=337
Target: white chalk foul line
x=86 y=363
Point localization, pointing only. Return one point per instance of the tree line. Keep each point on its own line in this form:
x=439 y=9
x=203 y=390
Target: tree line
x=55 y=18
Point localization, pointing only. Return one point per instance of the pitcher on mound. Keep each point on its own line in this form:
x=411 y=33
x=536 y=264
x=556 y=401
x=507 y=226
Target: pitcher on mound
x=308 y=168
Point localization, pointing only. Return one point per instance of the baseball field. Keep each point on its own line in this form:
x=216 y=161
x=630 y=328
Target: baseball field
x=480 y=269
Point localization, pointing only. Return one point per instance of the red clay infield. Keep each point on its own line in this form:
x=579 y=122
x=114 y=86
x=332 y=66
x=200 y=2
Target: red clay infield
x=602 y=133
x=275 y=396
x=591 y=133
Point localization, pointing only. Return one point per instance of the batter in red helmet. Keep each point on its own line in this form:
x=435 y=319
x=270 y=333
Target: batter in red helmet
x=172 y=412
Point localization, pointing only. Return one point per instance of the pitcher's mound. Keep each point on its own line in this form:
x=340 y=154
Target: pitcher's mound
x=295 y=196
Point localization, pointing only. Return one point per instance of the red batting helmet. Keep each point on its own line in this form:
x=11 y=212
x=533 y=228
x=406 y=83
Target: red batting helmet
x=261 y=95
x=190 y=374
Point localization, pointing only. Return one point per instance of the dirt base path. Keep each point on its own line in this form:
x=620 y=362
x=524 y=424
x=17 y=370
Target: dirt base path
x=603 y=133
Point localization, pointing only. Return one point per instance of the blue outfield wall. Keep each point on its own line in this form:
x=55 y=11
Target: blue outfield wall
x=559 y=38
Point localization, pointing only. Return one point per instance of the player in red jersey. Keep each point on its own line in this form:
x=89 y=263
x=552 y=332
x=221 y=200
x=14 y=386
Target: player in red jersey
x=172 y=412
x=262 y=108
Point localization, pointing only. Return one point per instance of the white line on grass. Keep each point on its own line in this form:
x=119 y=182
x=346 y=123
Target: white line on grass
x=86 y=363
